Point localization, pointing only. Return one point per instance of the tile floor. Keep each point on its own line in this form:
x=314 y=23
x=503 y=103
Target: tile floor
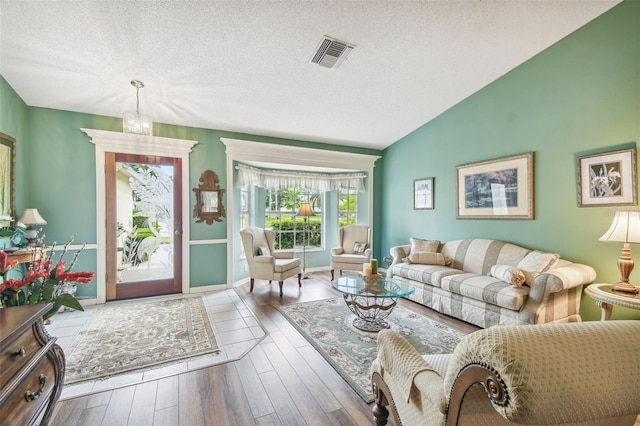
x=235 y=327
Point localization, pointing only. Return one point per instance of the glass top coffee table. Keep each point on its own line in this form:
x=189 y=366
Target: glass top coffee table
x=371 y=303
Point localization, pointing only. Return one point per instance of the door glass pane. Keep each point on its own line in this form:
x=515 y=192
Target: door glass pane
x=145 y=221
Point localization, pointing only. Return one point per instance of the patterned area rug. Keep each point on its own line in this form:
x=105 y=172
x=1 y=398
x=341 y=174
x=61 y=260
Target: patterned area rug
x=131 y=336
x=326 y=324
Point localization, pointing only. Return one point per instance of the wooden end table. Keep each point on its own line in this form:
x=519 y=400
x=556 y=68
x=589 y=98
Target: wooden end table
x=606 y=297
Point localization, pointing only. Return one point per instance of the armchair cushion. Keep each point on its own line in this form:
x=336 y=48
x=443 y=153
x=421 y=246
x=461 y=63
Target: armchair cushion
x=262 y=251
x=359 y=248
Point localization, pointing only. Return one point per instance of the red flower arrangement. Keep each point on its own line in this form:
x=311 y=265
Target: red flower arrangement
x=44 y=282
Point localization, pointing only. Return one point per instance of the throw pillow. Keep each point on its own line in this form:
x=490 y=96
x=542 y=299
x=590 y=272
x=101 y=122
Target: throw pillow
x=262 y=251
x=509 y=274
x=419 y=245
x=536 y=263
x=425 y=258
x=359 y=248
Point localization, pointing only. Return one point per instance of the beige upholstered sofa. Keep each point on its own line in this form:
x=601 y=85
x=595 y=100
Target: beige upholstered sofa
x=583 y=373
x=462 y=286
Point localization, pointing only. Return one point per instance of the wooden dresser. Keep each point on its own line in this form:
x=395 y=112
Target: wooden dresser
x=31 y=367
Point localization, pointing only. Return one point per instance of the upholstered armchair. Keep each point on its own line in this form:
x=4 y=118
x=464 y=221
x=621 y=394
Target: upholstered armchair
x=354 y=250
x=584 y=373
x=266 y=263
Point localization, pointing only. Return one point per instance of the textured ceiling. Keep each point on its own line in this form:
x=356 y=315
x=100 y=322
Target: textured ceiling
x=245 y=66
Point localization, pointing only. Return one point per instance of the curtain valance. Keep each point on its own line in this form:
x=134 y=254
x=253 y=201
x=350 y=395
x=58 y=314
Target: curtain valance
x=284 y=179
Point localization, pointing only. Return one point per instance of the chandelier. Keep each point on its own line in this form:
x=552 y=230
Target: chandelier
x=134 y=122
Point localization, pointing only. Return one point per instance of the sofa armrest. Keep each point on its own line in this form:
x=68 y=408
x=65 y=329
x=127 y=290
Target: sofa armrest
x=408 y=370
x=337 y=251
x=283 y=254
x=368 y=252
x=565 y=277
x=263 y=259
x=398 y=253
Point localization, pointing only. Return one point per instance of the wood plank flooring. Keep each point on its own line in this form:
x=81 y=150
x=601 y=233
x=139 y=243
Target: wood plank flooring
x=282 y=381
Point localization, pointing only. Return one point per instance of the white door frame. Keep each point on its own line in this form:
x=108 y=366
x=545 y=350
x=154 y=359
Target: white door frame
x=127 y=143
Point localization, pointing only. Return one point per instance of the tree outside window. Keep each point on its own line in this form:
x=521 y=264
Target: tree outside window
x=280 y=215
x=347 y=207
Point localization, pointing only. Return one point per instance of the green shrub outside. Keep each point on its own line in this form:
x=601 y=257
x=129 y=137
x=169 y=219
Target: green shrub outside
x=284 y=232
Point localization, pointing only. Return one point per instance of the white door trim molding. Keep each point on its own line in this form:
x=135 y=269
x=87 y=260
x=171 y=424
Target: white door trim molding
x=106 y=141
x=243 y=150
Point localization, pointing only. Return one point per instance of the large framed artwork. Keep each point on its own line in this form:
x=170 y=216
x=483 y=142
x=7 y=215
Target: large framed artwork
x=501 y=188
x=423 y=194
x=608 y=179
x=7 y=175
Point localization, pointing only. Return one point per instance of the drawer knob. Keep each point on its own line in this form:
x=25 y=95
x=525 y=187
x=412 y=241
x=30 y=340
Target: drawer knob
x=22 y=352
x=30 y=396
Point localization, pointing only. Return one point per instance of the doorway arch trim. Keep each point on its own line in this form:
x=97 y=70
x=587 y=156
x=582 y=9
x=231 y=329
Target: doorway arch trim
x=106 y=141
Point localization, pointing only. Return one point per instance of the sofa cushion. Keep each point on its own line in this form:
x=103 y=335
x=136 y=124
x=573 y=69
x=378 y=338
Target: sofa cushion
x=479 y=255
x=487 y=289
x=420 y=245
x=428 y=274
x=509 y=274
x=535 y=263
x=425 y=258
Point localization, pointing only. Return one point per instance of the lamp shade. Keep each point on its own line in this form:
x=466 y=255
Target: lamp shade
x=32 y=217
x=625 y=228
x=305 y=210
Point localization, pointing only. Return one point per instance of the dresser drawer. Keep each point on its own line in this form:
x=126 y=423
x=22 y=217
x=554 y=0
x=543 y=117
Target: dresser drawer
x=12 y=363
x=17 y=409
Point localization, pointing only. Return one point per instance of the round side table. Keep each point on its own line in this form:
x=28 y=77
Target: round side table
x=606 y=297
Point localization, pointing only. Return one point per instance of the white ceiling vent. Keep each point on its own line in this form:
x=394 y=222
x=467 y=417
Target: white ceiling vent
x=331 y=53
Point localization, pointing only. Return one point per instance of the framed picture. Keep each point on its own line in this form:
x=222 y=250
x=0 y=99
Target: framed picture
x=7 y=175
x=423 y=194
x=608 y=179
x=496 y=189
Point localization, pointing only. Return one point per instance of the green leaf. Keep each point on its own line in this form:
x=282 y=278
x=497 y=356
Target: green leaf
x=49 y=289
x=69 y=301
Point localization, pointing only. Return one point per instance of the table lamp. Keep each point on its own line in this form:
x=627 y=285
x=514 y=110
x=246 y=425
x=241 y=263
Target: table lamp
x=31 y=218
x=305 y=211
x=625 y=229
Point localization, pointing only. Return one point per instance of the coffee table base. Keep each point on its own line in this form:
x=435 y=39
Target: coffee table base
x=370 y=311
x=372 y=326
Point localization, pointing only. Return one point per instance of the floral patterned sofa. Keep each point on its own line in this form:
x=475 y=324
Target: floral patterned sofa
x=488 y=282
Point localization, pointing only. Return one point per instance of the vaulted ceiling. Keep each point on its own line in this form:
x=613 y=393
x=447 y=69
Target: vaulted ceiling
x=246 y=66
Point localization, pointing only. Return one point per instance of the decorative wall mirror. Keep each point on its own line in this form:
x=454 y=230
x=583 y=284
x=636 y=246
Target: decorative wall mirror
x=7 y=176
x=208 y=199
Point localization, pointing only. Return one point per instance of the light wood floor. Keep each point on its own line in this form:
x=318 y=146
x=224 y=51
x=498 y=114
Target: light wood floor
x=282 y=381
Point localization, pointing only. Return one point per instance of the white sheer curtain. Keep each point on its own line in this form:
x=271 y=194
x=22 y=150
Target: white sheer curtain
x=283 y=179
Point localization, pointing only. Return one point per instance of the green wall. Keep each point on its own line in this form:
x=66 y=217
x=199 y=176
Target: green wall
x=580 y=95
x=56 y=174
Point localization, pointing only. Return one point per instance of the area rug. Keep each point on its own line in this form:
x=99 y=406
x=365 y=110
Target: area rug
x=129 y=336
x=326 y=324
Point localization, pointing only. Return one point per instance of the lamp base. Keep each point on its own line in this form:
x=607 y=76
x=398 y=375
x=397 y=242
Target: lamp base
x=626 y=287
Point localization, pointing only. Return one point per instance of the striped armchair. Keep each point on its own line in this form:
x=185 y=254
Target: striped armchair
x=583 y=373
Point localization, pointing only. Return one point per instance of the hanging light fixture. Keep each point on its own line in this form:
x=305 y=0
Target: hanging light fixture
x=134 y=122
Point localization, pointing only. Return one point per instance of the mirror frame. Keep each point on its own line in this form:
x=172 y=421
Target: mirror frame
x=8 y=141
x=209 y=183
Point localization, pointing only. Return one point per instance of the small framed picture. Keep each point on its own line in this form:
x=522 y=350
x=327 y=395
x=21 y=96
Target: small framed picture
x=423 y=194
x=608 y=179
x=501 y=188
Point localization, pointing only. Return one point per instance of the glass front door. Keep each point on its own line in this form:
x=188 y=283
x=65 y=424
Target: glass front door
x=144 y=233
